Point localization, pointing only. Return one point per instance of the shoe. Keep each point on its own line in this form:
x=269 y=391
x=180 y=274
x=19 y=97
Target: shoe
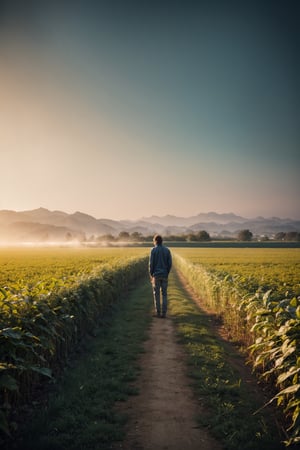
x=158 y=314
x=163 y=316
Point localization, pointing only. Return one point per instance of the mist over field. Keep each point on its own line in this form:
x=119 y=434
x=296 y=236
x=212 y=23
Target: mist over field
x=42 y=226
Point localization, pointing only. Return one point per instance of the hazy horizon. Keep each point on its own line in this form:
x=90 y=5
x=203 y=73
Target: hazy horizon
x=124 y=110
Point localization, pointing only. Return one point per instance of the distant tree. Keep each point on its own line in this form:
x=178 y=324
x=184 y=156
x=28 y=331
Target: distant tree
x=245 y=235
x=124 y=236
x=148 y=238
x=136 y=236
x=280 y=236
x=203 y=236
x=292 y=236
x=106 y=238
x=174 y=238
x=289 y=236
x=191 y=237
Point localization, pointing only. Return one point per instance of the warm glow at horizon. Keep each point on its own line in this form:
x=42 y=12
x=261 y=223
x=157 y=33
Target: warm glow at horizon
x=119 y=123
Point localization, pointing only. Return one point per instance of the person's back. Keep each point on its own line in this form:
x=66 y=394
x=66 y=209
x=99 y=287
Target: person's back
x=159 y=267
x=160 y=261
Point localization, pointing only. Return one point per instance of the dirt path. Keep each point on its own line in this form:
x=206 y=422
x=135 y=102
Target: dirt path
x=162 y=416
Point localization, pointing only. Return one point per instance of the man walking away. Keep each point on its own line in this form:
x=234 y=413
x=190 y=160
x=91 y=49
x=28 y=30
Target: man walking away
x=160 y=264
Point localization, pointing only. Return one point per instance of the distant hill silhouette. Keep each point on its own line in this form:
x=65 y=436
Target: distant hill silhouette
x=44 y=225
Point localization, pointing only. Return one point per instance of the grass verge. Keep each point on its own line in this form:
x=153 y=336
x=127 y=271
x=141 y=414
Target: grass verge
x=230 y=402
x=80 y=412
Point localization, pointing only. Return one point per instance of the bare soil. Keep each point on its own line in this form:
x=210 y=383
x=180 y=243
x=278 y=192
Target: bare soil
x=162 y=416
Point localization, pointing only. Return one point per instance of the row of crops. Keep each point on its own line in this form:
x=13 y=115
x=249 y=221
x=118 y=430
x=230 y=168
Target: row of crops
x=257 y=294
x=49 y=300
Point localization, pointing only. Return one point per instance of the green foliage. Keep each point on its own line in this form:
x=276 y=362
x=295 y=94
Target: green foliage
x=276 y=351
x=257 y=297
x=201 y=236
x=245 y=235
x=80 y=411
x=56 y=300
x=292 y=236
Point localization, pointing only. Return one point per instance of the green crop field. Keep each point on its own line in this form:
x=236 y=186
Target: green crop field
x=265 y=268
x=257 y=294
x=35 y=265
x=49 y=300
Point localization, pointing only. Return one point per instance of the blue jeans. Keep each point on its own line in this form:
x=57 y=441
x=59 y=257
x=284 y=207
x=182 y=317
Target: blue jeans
x=160 y=285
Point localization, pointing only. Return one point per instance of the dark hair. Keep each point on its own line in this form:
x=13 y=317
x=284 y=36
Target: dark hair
x=158 y=239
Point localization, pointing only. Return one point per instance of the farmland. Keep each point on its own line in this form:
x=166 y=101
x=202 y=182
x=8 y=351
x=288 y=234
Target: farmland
x=29 y=265
x=265 y=268
x=49 y=300
x=256 y=293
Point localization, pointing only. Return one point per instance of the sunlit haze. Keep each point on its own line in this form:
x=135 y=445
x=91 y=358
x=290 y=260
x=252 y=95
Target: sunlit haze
x=131 y=109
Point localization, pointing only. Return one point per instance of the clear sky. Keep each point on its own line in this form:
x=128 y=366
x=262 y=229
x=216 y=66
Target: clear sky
x=124 y=109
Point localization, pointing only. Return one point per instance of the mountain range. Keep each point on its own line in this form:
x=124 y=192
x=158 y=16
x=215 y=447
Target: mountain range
x=42 y=225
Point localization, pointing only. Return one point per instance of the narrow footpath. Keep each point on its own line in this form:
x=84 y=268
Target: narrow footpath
x=163 y=415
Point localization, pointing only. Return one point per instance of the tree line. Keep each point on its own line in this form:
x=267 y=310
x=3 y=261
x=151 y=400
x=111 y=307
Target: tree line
x=200 y=236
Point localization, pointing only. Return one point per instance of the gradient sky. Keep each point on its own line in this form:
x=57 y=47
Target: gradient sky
x=124 y=109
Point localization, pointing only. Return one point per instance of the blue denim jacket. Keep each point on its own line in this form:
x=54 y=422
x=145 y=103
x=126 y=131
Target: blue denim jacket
x=160 y=262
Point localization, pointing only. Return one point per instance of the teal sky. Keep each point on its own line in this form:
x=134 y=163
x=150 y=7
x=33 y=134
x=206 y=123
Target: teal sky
x=124 y=109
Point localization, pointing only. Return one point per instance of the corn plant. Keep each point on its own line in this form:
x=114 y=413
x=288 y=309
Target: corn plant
x=276 y=351
x=259 y=303
x=45 y=315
